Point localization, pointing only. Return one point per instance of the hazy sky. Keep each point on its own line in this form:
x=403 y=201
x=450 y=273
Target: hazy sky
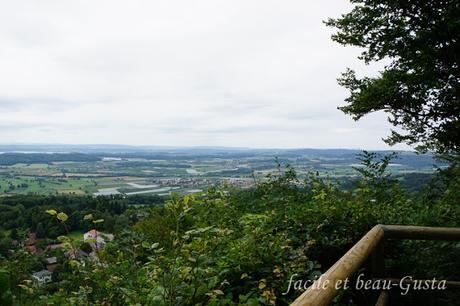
x=256 y=73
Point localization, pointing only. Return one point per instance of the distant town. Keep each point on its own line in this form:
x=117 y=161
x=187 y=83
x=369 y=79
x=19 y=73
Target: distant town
x=109 y=170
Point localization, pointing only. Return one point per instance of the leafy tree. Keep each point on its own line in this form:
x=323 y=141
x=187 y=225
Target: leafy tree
x=5 y=243
x=419 y=87
x=6 y=297
x=41 y=232
x=375 y=172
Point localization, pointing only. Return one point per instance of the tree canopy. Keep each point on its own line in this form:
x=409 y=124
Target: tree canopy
x=419 y=88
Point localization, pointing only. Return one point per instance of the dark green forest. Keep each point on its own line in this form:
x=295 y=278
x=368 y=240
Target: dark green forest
x=46 y=158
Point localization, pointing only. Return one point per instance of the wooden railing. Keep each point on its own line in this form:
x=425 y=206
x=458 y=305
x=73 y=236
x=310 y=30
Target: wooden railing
x=370 y=244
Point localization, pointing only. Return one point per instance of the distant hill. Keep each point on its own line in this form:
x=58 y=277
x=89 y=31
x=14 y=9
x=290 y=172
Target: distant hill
x=8 y=159
x=47 y=153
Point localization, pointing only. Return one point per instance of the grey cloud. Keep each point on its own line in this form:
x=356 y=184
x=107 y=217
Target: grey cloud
x=47 y=104
x=208 y=72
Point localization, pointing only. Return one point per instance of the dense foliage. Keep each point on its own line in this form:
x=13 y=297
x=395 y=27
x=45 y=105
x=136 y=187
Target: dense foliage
x=233 y=246
x=420 y=86
x=22 y=214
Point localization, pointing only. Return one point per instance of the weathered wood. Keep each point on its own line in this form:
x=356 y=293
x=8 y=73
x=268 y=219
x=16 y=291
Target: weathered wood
x=421 y=232
x=324 y=290
x=383 y=298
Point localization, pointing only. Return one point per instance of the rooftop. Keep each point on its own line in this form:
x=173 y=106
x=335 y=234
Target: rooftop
x=51 y=260
x=42 y=273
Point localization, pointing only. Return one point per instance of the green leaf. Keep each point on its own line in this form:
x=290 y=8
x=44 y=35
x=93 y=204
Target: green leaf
x=145 y=245
x=186 y=199
x=52 y=212
x=63 y=239
x=262 y=284
x=62 y=217
x=201 y=290
x=74 y=263
x=98 y=221
x=91 y=240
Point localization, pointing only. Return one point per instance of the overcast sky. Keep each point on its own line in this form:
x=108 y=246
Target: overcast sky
x=255 y=73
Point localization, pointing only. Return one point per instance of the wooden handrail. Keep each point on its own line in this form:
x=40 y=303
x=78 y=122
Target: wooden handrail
x=323 y=291
x=421 y=232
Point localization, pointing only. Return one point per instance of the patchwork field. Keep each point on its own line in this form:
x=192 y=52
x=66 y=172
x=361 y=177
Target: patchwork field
x=165 y=172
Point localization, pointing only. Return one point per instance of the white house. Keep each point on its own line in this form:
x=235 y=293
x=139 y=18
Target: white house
x=43 y=276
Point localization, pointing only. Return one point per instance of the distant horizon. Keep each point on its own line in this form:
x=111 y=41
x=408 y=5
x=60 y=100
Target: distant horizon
x=147 y=146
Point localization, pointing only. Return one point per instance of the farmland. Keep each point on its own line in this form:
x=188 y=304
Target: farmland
x=161 y=172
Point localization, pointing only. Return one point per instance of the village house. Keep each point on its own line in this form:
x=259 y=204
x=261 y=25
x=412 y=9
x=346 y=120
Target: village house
x=51 y=263
x=77 y=254
x=31 y=239
x=53 y=247
x=29 y=243
x=30 y=248
x=97 y=239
